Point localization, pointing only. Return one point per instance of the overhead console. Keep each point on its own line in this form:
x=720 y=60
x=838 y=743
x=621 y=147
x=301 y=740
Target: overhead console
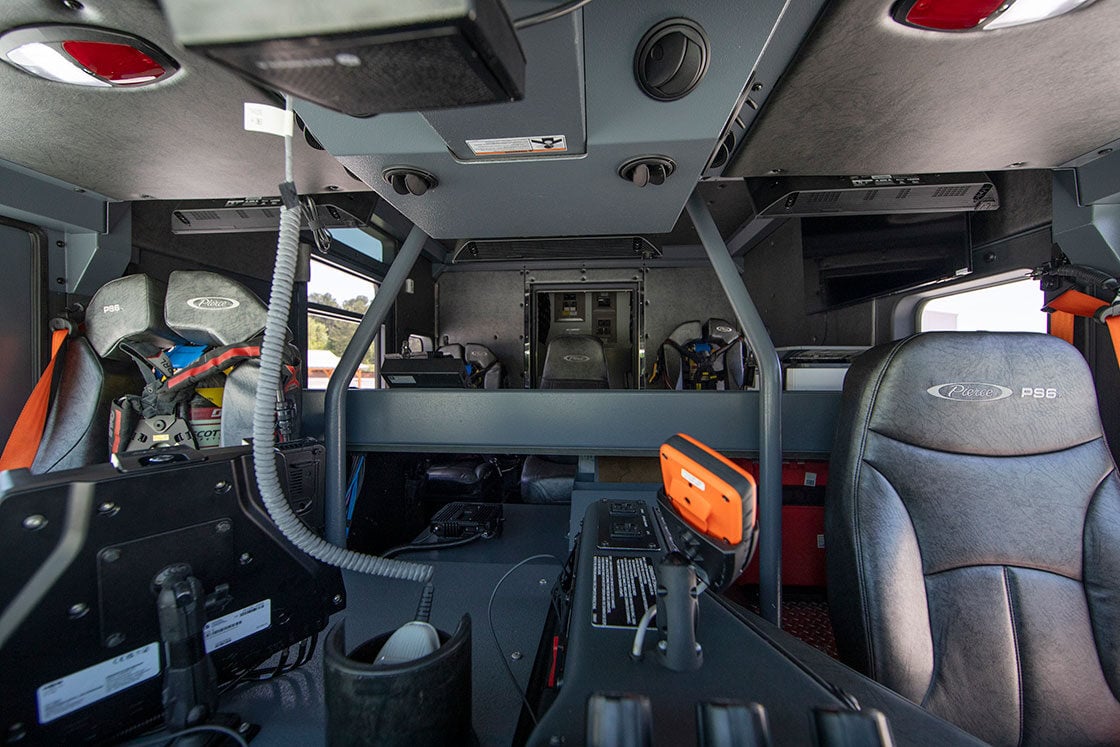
x=588 y=151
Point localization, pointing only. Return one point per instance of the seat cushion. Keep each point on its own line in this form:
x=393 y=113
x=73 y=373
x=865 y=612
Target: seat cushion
x=548 y=479
x=973 y=525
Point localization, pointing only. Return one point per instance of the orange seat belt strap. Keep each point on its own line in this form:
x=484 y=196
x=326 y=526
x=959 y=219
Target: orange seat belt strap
x=1113 y=323
x=27 y=433
x=1075 y=303
x=1061 y=325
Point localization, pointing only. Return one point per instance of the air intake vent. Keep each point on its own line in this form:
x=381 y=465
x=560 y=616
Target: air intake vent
x=528 y=250
x=872 y=195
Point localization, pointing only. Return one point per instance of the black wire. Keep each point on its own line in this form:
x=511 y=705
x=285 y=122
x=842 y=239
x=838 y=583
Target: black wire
x=549 y=15
x=165 y=738
x=421 y=546
x=494 y=634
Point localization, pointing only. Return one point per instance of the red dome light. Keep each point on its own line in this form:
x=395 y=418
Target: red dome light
x=116 y=63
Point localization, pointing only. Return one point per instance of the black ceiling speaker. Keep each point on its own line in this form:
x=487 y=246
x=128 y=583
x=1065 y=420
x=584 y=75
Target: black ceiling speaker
x=362 y=57
x=672 y=59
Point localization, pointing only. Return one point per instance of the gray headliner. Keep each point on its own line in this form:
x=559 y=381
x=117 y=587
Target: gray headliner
x=582 y=195
x=870 y=96
x=179 y=139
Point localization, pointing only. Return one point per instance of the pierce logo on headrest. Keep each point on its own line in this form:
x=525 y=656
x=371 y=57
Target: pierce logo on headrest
x=721 y=328
x=213 y=303
x=577 y=358
x=969 y=391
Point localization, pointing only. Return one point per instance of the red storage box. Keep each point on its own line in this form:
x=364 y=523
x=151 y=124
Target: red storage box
x=803 y=542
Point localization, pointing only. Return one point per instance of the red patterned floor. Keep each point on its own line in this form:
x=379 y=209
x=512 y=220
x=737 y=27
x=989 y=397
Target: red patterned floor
x=804 y=615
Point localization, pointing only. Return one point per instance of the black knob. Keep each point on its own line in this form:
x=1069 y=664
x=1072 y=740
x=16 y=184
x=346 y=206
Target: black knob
x=409 y=181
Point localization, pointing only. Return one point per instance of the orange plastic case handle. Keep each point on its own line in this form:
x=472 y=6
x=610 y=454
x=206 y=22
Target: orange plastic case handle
x=713 y=495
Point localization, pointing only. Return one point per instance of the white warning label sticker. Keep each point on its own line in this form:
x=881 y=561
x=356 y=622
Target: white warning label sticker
x=74 y=691
x=237 y=625
x=504 y=146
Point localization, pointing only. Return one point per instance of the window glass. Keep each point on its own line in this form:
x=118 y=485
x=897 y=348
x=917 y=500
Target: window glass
x=326 y=339
x=339 y=289
x=336 y=301
x=1010 y=307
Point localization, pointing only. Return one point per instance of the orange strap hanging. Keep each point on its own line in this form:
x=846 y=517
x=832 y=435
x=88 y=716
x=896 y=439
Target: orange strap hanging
x=27 y=433
x=1075 y=303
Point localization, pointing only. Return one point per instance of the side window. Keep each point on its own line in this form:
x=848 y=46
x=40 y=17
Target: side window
x=1008 y=307
x=336 y=300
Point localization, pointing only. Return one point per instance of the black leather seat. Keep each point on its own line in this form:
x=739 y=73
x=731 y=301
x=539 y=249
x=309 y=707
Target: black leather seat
x=973 y=529
x=574 y=362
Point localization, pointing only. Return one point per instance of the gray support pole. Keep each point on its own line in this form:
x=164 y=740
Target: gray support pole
x=335 y=403
x=769 y=409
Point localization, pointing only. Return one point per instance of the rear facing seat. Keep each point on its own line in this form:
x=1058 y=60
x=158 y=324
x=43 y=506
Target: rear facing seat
x=570 y=363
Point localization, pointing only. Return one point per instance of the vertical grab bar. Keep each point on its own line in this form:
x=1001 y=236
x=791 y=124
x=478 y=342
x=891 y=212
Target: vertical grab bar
x=769 y=409
x=339 y=384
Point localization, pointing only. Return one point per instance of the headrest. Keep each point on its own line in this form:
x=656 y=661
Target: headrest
x=982 y=393
x=416 y=344
x=719 y=329
x=575 y=362
x=454 y=350
x=480 y=355
x=129 y=310
x=210 y=309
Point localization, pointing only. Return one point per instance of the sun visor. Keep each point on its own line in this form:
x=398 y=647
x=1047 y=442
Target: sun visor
x=129 y=310
x=210 y=309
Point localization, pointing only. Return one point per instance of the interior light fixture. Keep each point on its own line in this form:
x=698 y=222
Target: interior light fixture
x=969 y=15
x=86 y=56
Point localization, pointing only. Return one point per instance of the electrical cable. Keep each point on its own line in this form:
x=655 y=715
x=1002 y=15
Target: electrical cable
x=549 y=15
x=421 y=546
x=264 y=410
x=494 y=634
x=165 y=738
x=640 y=634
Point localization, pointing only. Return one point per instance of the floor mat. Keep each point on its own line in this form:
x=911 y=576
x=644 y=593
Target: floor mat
x=804 y=615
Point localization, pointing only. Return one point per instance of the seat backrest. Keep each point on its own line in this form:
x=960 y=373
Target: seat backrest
x=973 y=529
x=484 y=367
x=76 y=431
x=575 y=362
x=700 y=340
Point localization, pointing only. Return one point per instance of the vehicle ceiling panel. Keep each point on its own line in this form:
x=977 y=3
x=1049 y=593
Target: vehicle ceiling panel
x=179 y=139
x=867 y=95
x=580 y=194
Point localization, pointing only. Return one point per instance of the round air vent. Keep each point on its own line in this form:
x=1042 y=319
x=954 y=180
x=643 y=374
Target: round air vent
x=409 y=181
x=671 y=59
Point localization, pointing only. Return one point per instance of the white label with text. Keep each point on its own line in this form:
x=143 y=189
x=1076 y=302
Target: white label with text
x=63 y=696
x=233 y=627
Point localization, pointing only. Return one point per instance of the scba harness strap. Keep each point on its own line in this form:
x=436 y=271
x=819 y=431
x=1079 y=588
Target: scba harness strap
x=158 y=415
x=699 y=361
